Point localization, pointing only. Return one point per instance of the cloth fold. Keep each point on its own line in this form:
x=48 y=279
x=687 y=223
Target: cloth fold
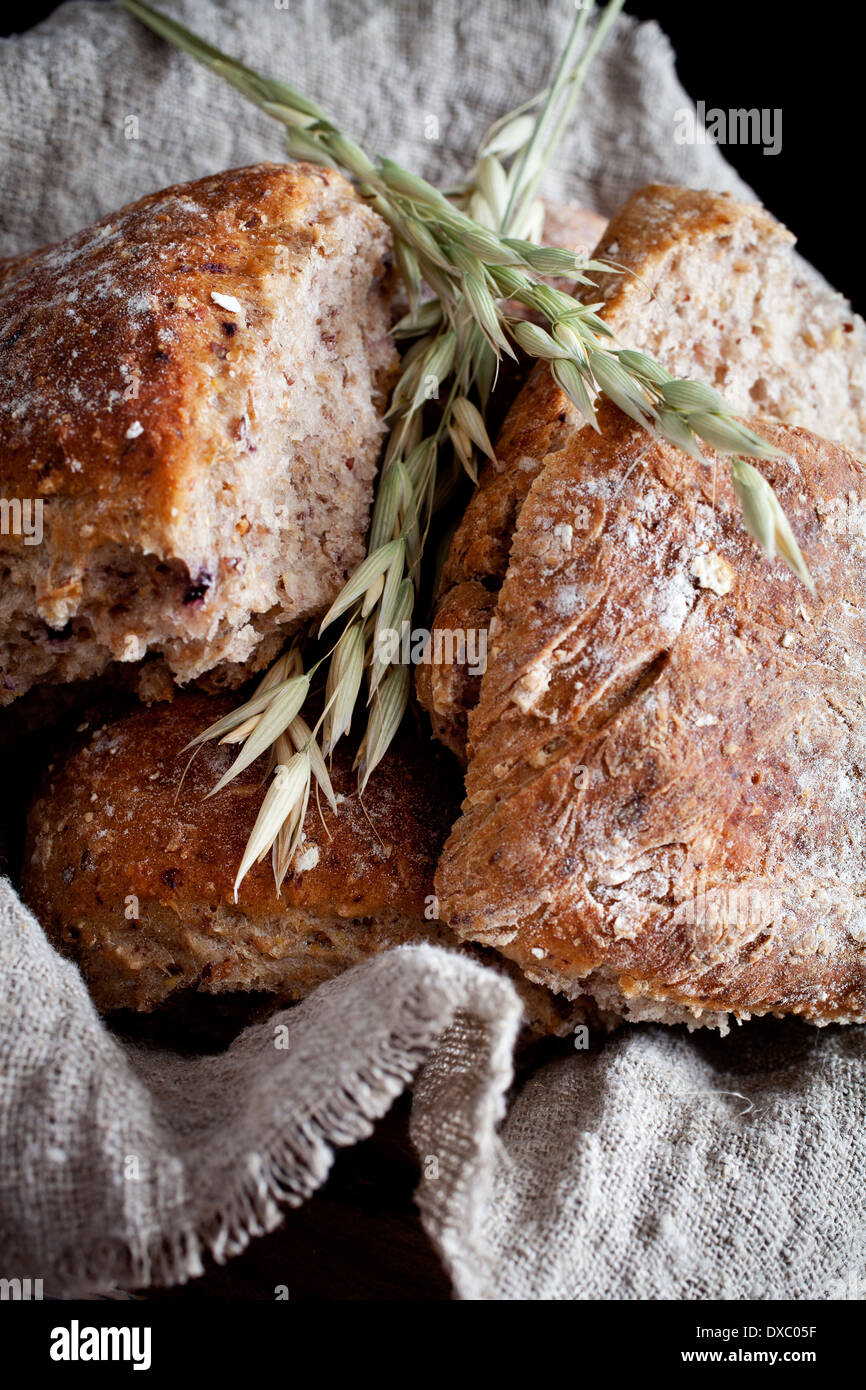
x=123 y=1163
x=652 y=1164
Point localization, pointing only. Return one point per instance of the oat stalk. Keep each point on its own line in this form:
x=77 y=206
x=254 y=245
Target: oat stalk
x=472 y=251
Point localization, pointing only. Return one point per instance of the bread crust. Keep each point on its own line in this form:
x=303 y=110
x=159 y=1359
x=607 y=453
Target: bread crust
x=131 y=356
x=657 y=224
x=118 y=802
x=446 y=689
x=131 y=870
x=660 y=219
x=666 y=720
x=175 y=249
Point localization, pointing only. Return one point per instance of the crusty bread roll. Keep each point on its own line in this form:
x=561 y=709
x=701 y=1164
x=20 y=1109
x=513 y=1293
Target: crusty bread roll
x=665 y=805
x=446 y=689
x=133 y=877
x=192 y=390
x=714 y=291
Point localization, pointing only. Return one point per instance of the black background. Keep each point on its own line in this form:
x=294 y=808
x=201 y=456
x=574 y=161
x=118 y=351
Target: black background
x=805 y=60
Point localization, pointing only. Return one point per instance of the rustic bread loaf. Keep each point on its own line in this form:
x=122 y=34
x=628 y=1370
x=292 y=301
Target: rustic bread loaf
x=713 y=289
x=134 y=878
x=192 y=390
x=665 y=805
x=446 y=689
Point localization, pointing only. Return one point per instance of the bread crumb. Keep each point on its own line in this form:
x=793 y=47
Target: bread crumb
x=307 y=860
x=531 y=686
x=713 y=572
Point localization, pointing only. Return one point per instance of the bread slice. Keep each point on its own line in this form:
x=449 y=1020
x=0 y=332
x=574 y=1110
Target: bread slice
x=713 y=289
x=192 y=392
x=132 y=874
x=665 y=804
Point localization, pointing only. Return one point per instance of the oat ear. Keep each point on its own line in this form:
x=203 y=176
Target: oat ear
x=765 y=519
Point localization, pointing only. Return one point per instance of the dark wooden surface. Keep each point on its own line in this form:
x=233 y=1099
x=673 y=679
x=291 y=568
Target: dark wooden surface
x=359 y=1238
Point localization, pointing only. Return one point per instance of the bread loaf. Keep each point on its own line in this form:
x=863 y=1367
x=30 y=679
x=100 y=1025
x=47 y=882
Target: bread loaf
x=713 y=289
x=446 y=689
x=191 y=395
x=132 y=873
x=665 y=803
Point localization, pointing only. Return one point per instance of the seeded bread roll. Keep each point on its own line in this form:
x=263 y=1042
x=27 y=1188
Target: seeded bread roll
x=664 y=807
x=192 y=393
x=714 y=290
x=134 y=878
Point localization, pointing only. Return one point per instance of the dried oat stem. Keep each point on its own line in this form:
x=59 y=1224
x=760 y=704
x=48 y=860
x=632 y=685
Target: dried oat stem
x=472 y=252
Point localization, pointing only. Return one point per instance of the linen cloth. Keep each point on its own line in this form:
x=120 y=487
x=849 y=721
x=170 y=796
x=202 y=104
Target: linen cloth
x=653 y=1164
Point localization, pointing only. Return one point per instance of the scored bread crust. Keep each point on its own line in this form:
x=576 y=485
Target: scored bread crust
x=194 y=390
x=672 y=299
x=132 y=872
x=664 y=807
